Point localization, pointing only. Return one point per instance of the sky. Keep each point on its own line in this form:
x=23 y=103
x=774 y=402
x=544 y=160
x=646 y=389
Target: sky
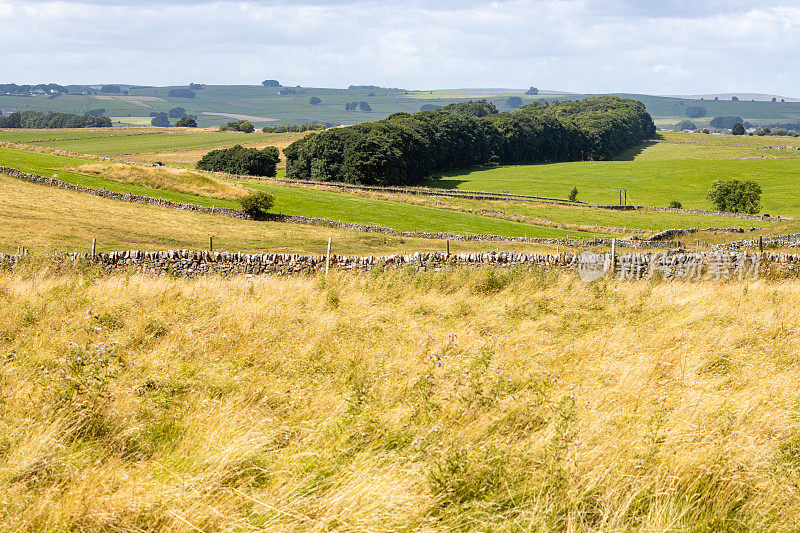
x=587 y=46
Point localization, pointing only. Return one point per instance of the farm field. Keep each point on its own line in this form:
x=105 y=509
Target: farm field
x=182 y=146
x=403 y=212
x=116 y=142
x=457 y=400
x=44 y=219
x=298 y=201
x=655 y=175
x=265 y=102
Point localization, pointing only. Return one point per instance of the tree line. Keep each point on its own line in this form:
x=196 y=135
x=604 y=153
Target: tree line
x=404 y=149
x=37 y=120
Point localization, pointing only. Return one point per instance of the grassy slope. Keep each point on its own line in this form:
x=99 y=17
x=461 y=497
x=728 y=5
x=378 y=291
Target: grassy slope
x=443 y=401
x=657 y=175
x=47 y=219
x=292 y=200
x=133 y=141
x=295 y=109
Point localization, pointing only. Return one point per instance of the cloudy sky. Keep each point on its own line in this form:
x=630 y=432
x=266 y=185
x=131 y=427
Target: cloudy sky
x=657 y=47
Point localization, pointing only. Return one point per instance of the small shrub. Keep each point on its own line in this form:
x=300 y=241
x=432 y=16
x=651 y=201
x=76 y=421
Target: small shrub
x=257 y=204
x=573 y=195
x=675 y=204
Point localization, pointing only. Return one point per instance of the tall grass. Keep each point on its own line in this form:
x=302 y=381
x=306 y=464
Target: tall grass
x=447 y=400
x=161 y=177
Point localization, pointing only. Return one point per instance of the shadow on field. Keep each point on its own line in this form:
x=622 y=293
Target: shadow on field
x=631 y=153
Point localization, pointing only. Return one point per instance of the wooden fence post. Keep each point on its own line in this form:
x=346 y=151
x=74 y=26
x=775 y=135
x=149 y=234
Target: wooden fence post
x=448 y=250
x=94 y=247
x=613 y=255
x=328 y=257
x=210 y=243
x=761 y=243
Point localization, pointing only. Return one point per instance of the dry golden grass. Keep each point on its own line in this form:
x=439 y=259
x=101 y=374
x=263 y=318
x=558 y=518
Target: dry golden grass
x=160 y=177
x=191 y=157
x=454 y=400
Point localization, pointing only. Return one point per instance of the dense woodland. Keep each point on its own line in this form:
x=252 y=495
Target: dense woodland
x=406 y=148
x=35 y=119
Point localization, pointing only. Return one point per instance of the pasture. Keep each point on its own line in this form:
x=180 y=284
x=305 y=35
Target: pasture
x=656 y=174
x=295 y=201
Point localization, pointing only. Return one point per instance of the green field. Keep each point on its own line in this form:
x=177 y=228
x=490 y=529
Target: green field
x=265 y=103
x=653 y=175
x=298 y=201
x=134 y=141
x=674 y=167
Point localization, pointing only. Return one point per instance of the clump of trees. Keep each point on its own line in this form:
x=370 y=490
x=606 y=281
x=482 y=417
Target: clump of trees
x=177 y=112
x=271 y=83
x=696 y=112
x=294 y=129
x=532 y=91
x=181 y=93
x=196 y=86
x=358 y=106
x=110 y=89
x=738 y=129
x=684 y=125
x=725 y=123
x=514 y=102
x=287 y=92
x=257 y=204
x=475 y=108
x=245 y=126
x=405 y=148
x=314 y=100
x=240 y=160
x=736 y=196
x=186 y=122
x=27 y=90
x=37 y=120
x=160 y=119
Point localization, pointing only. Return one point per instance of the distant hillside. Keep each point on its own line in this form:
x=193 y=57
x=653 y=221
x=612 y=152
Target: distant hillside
x=214 y=105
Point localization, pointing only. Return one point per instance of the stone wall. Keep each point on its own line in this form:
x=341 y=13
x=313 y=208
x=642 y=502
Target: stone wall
x=188 y=263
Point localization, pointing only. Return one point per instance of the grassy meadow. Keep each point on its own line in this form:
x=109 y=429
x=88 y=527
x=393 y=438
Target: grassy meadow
x=460 y=400
x=45 y=219
x=149 y=144
x=680 y=167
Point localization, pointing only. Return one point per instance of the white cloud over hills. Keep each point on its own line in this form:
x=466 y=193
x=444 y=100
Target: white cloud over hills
x=668 y=47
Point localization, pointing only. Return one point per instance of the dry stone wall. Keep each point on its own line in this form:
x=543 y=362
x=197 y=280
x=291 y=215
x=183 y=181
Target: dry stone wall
x=189 y=263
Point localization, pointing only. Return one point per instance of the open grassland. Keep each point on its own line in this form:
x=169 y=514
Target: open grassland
x=177 y=179
x=681 y=167
x=44 y=220
x=110 y=142
x=459 y=400
x=294 y=201
x=191 y=157
x=402 y=212
x=52 y=220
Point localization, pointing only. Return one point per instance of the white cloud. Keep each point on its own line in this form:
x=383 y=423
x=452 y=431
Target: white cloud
x=671 y=46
